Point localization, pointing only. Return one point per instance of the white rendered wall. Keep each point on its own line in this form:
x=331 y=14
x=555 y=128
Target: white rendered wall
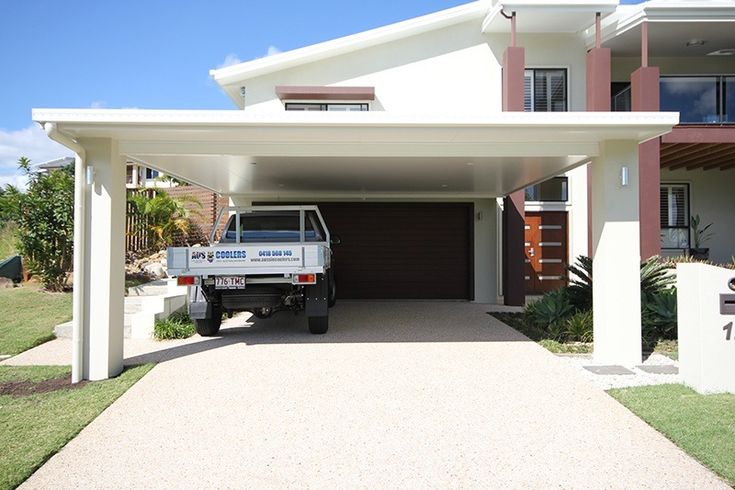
x=455 y=70
x=104 y=284
x=712 y=197
x=485 y=230
x=616 y=256
x=449 y=70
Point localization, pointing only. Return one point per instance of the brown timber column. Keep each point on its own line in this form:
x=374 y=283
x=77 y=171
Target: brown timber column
x=599 y=82
x=514 y=263
x=645 y=96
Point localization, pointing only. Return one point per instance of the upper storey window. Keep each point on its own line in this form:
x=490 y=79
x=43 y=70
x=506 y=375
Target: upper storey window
x=298 y=106
x=545 y=90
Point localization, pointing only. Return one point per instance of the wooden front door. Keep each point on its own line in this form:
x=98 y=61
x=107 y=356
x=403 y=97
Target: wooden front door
x=546 y=251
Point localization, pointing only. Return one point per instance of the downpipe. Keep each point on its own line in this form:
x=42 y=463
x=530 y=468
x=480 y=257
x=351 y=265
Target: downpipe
x=80 y=233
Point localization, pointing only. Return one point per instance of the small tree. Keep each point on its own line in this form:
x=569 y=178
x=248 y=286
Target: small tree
x=45 y=218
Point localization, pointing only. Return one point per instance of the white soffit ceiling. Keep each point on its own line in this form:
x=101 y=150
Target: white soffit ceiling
x=547 y=16
x=282 y=154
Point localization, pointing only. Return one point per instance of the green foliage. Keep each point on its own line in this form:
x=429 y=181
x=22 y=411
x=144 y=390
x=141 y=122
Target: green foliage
x=177 y=326
x=580 y=283
x=578 y=327
x=550 y=311
x=164 y=217
x=8 y=246
x=659 y=316
x=700 y=235
x=657 y=276
x=44 y=215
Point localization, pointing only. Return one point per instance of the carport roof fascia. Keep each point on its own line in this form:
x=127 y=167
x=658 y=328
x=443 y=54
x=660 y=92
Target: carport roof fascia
x=567 y=126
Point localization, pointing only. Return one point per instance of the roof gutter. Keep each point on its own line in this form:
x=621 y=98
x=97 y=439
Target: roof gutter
x=80 y=234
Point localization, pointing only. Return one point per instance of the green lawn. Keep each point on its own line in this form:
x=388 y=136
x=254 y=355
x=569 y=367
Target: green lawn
x=702 y=425
x=29 y=316
x=35 y=426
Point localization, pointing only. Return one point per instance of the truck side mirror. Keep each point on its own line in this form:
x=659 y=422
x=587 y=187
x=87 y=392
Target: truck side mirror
x=335 y=240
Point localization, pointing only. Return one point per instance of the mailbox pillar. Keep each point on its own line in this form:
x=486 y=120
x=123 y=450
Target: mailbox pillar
x=706 y=309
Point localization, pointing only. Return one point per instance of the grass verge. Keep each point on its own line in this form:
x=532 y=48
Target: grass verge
x=37 y=423
x=518 y=322
x=29 y=317
x=702 y=425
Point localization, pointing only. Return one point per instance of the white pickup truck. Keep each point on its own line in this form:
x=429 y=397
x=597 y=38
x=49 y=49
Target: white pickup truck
x=268 y=259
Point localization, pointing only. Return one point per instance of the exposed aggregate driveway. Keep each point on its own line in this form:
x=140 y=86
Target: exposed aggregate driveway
x=397 y=394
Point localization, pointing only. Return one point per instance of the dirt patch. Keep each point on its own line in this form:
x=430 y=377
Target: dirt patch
x=26 y=388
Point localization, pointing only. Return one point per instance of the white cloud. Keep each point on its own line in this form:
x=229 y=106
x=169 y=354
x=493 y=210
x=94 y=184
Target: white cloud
x=98 y=104
x=230 y=59
x=30 y=142
x=272 y=50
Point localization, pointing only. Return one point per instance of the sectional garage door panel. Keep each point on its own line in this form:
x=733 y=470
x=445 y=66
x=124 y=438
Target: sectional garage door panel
x=401 y=251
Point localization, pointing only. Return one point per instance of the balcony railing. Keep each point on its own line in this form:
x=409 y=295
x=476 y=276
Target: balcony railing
x=697 y=99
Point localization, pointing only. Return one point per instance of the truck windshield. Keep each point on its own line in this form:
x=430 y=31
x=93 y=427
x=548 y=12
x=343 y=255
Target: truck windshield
x=273 y=226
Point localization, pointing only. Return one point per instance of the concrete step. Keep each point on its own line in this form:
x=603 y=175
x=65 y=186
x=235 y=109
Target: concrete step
x=141 y=311
x=153 y=288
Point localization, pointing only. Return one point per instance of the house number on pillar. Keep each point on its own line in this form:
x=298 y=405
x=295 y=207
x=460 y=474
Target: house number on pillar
x=728 y=331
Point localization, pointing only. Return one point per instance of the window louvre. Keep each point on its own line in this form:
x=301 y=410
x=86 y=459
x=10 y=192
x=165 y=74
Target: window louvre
x=545 y=90
x=527 y=91
x=675 y=216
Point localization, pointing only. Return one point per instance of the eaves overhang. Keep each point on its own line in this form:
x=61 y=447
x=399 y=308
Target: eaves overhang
x=629 y=17
x=546 y=16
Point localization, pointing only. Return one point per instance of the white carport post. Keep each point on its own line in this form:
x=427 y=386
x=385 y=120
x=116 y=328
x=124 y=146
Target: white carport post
x=104 y=281
x=616 y=254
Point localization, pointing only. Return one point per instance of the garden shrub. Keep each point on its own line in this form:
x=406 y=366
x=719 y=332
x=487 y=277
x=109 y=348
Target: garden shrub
x=44 y=216
x=659 y=316
x=551 y=310
x=578 y=327
x=177 y=326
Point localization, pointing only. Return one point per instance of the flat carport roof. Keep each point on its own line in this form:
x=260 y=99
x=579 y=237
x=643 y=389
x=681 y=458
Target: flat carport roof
x=352 y=154
x=292 y=153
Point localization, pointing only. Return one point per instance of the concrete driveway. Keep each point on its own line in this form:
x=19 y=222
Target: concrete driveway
x=413 y=395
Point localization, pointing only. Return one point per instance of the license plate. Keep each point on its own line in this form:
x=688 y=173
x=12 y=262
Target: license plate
x=229 y=282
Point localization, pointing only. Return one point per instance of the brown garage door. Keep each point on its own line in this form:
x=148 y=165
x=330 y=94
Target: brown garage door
x=402 y=250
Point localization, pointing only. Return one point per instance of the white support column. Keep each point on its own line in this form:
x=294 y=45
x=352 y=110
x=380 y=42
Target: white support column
x=104 y=281
x=616 y=255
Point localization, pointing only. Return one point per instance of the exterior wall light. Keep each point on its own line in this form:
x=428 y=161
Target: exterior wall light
x=90 y=175
x=624 y=176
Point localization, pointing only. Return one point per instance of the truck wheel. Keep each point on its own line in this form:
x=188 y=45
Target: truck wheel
x=318 y=324
x=332 y=298
x=206 y=327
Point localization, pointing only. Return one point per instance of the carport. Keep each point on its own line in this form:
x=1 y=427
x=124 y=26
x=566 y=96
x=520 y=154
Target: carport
x=349 y=156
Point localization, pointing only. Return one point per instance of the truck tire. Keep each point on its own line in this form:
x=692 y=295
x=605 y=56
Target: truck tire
x=318 y=324
x=332 y=292
x=206 y=327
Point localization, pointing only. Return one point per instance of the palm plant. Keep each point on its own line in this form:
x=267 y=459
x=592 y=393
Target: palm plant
x=164 y=217
x=700 y=235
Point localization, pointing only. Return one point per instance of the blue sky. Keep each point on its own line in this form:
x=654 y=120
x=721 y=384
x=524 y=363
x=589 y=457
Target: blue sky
x=151 y=53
